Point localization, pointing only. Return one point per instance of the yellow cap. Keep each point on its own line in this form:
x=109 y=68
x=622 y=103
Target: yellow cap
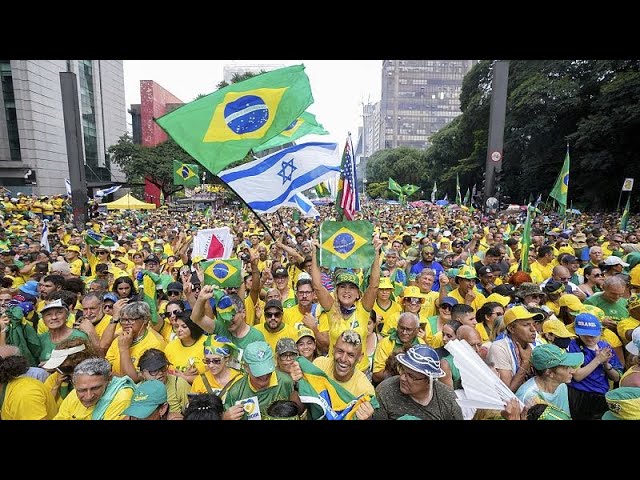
x=73 y=248
x=305 y=332
x=467 y=272
x=501 y=299
x=385 y=282
x=412 y=292
x=520 y=313
x=634 y=276
x=556 y=327
x=570 y=301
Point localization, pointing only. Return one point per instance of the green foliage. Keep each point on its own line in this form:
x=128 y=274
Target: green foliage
x=592 y=104
x=379 y=190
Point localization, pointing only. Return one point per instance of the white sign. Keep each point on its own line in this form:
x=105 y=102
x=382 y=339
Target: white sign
x=627 y=186
x=496 y=156
x=251 y=408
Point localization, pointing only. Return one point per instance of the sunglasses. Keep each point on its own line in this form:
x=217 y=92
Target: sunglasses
x=413 y=300
x=172 y=312
x=212 y=361
x=272 y=314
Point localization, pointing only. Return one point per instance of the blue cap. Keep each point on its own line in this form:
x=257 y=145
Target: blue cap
x=110 y=296
x=449 y=301
x=588 y=324
x=30 y=288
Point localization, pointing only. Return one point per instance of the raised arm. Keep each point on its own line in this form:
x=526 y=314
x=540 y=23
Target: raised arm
x=198 y=315
x=369 y=297
x=324 y=297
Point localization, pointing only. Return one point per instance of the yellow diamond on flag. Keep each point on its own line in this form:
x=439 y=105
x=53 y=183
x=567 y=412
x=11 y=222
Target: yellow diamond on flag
x=185 y=172
x=244 y=115
x=220 y=270
x=293 y=128
x=343 y=243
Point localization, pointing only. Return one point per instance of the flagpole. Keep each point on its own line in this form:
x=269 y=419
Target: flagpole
x=619 y=198
x=252 y=210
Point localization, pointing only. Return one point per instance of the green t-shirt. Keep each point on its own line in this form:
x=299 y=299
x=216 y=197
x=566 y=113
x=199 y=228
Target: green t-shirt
x=48 y=346
x=616 y=310
x=242 y=391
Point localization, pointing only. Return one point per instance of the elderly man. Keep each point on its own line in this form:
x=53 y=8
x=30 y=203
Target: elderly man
x=611 y=302
x=403 y=337
x=341 y=365
x=97 y=394
x=135 y=338
x=413 y=392
x=250 y=396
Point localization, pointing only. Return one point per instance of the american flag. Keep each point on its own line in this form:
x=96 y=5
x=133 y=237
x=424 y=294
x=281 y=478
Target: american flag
x=348 y=199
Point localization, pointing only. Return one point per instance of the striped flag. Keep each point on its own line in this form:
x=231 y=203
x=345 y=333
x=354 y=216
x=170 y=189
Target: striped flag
x=347 y=201
x=44 y=238
x=108 y=191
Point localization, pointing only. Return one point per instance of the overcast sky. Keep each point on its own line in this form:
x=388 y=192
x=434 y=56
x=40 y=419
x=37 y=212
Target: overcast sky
x=339 y=87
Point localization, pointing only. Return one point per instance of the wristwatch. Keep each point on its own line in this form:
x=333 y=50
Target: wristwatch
x=296 y=386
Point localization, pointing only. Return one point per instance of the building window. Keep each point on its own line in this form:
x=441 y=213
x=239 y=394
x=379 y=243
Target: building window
x=89 y=130
x=10 y=111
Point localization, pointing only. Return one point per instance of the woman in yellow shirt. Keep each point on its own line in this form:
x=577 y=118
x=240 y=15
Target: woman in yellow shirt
x=185 y=353
x=217 y=352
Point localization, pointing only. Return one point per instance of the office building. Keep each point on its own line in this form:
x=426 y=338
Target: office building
x=418 y=98
x=33 y=150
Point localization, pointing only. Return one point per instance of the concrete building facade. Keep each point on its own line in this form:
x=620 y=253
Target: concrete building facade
x=33 y=152
x=418 y=98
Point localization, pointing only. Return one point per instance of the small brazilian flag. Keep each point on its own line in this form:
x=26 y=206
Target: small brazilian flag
x=346 y=244
x=149 y=291
x=187 y=174
x=222 y=127
x=223 y=273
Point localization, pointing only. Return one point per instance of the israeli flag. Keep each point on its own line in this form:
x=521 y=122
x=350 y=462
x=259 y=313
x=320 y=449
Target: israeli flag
x=67 y=184
x=272 y=181
x=108 y=191
x=302 y=203
x=44 y=237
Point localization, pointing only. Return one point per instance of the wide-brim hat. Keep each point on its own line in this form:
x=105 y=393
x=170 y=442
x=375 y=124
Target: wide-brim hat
x=422 y=359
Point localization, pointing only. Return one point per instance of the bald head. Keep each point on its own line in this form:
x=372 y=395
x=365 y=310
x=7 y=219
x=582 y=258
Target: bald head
x=470 y=335
x=9 y=351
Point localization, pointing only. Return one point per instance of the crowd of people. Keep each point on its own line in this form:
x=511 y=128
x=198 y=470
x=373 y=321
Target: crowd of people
x=80 y=340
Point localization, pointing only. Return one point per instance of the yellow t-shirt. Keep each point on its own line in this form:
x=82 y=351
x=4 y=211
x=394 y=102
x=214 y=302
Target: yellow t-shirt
x=152 y=339
x=76 y=267
x=293 y=316
x=357 y=385
x=625 y=324
x=26 y=398
x=72 y=409
x=181 y=357
x=539 y=272
x=477 y=303
x=357 y=321
x=199 y=386
x=394 y=310
x=272 y=338
x=385 y=348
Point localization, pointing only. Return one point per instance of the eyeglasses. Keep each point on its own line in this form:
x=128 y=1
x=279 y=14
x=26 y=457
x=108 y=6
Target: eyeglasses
x=196 y=287
x=129 y=320
x=406 y=329
x=160 y=371
x=272 y=314
x=413 y=378
x=212 y=361
x=102 y=253
x=174 y=292
x=288 y=356
x=304 y=293
x=445 y=306
x=107 y=305
x=597 y=275
x=172 y=312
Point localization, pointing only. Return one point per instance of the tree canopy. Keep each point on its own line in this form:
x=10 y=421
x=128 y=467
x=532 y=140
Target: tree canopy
x=591 y=104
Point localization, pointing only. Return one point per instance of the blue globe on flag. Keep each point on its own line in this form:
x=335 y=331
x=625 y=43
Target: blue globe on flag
x=344 y=243
x=220 y=271
x=246 y=114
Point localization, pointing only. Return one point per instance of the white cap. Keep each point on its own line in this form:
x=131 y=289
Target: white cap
x=58 y=357
x=446 y=233
x=633 y=347
x=613 y=260
x=55 y=304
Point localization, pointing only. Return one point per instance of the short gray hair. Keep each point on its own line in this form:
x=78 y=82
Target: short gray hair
x=427 y=271
x=62 y=267
x=136 y=310
x=410 y=316
x=93 y=366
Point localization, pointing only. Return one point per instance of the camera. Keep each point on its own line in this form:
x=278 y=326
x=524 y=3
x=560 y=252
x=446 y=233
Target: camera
x=244 y=257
